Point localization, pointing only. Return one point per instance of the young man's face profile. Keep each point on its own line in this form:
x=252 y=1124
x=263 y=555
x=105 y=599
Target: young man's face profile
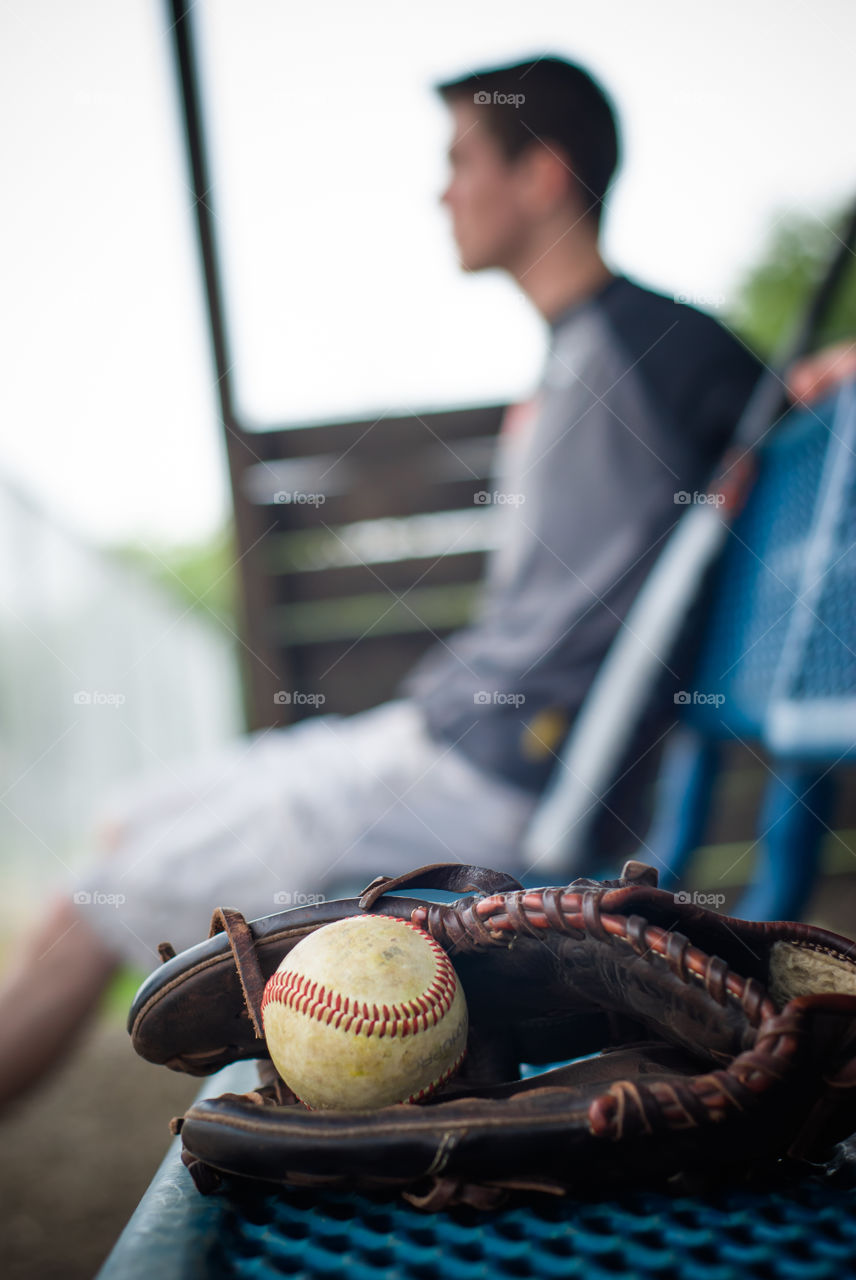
x=484 y=194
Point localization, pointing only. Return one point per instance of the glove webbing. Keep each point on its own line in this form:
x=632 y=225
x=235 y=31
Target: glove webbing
x=631 y=1107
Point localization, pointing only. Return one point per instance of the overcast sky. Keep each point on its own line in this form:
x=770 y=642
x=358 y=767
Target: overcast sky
x=344 y=292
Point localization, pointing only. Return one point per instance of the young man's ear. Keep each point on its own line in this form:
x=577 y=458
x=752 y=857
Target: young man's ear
x=552 y=181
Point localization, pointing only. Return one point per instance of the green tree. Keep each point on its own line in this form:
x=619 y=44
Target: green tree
x=200 y=574
x=774 y=292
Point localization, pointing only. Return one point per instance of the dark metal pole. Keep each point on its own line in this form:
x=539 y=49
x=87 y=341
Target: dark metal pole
x=260 y=662
x=200 y=173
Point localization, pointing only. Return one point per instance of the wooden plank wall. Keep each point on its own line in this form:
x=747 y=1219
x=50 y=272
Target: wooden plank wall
x=361 y=543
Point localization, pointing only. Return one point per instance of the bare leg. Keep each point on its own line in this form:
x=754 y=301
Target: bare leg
x=48 y=995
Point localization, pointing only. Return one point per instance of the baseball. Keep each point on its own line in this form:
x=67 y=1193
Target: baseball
x=364 y=1013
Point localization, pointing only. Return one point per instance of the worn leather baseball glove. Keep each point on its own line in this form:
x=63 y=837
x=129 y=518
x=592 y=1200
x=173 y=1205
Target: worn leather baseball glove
x=714 y=1045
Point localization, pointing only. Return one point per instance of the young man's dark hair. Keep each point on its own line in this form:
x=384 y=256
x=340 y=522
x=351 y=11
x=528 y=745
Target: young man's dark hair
x=556 y=103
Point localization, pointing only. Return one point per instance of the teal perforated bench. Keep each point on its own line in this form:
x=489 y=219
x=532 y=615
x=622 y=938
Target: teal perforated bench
x=777 y=1231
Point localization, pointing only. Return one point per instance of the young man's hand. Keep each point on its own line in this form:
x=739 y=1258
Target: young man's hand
x=810 y=378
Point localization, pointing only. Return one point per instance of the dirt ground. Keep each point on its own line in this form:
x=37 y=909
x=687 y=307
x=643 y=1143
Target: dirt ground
x=78 y=1155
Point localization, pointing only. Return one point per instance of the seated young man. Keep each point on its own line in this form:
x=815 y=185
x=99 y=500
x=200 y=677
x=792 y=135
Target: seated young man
x=637 y=400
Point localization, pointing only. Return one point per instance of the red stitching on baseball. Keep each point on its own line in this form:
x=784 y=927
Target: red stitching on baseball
x=296 y=991
x=441 y=1080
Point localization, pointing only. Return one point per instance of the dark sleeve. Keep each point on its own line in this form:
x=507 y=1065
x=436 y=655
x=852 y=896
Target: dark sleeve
x=694 y=366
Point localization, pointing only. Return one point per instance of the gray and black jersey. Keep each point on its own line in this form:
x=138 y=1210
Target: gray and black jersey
x=637 y=401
